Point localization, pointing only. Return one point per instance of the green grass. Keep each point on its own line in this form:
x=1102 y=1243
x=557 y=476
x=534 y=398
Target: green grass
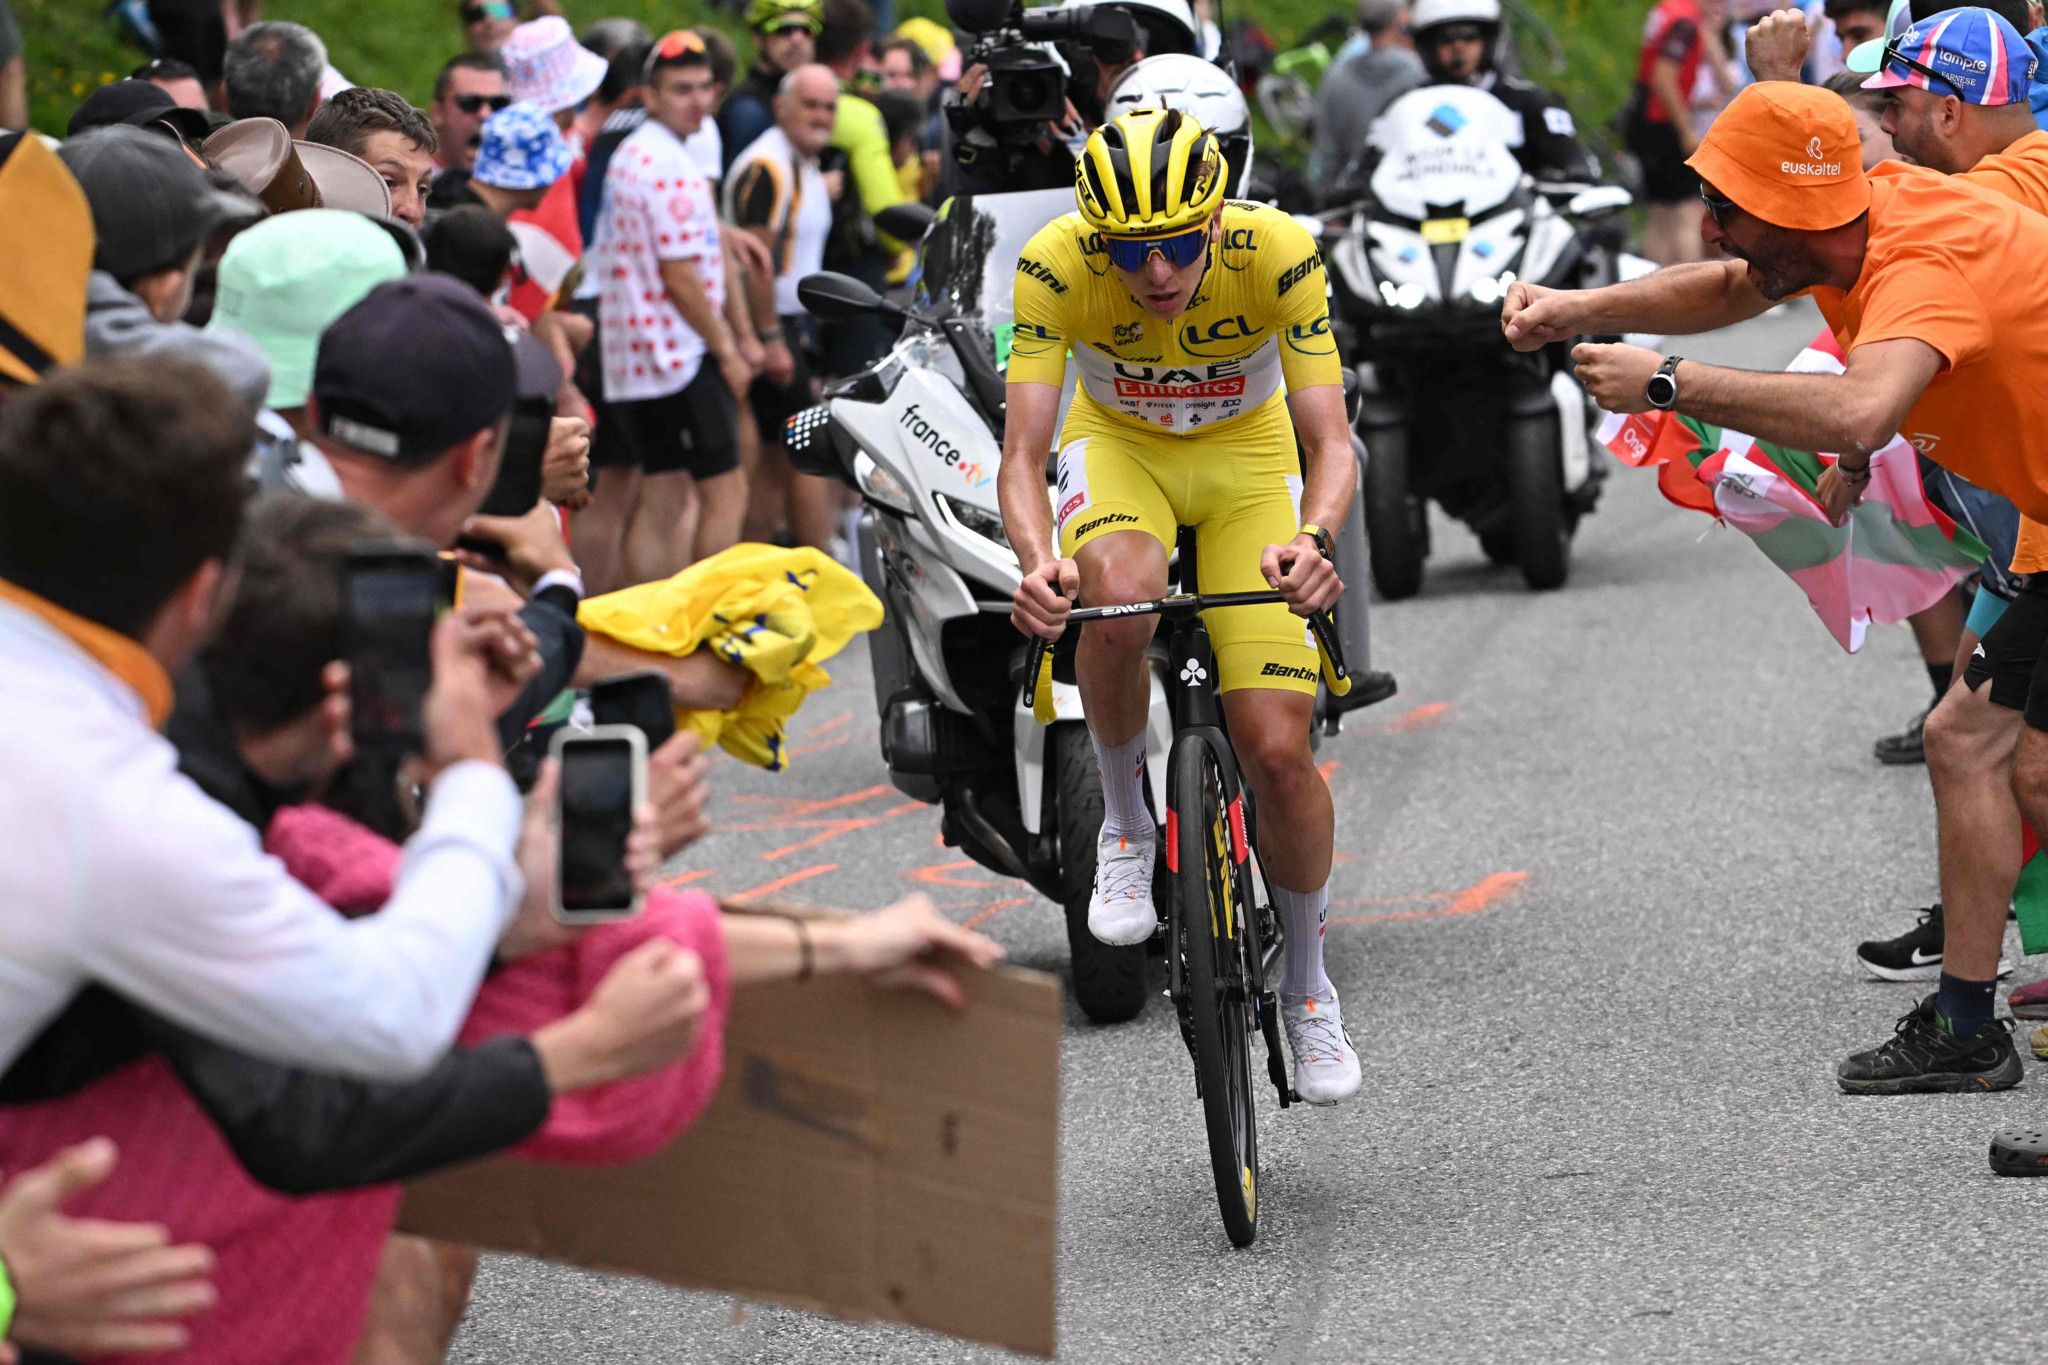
x=399 y=44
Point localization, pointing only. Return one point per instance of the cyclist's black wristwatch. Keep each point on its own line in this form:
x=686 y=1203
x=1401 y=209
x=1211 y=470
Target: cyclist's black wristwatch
x=1325 y=544
x=1662 y=390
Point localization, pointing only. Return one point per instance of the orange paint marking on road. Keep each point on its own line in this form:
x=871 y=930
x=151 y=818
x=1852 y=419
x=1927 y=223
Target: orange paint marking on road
x=946 y=874
x=1423 y=717
x=989 y=912
x=834 y=829
x=782 y=883
x=797 y=808
x=685 y=878
x=1329 y=770
x=819 y=746
x=1488 y=892
x=826 y=727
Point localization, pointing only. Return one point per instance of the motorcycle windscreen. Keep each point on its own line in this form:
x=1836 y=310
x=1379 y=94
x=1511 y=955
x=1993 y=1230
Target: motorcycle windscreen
x=967 y=265
x=1447 y=154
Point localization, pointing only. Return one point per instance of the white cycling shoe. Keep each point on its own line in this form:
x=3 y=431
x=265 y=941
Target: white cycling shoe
x=1120 y=912
x=1325 y=1064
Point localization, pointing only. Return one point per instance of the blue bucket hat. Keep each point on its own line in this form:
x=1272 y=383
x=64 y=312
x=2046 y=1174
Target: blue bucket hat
x=522 y=149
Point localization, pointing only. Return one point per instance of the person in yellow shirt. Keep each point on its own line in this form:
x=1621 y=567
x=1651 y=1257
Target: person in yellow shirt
x=1200 y=330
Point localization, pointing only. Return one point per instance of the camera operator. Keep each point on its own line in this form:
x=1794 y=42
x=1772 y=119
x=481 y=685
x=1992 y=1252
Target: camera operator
x=1036 y=83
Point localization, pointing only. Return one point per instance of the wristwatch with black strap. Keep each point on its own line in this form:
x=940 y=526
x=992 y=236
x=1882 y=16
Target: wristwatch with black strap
x=1325 y=543
x=1662 y=390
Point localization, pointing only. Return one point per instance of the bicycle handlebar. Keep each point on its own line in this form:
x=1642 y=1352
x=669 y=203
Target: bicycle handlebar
x=1177 y=607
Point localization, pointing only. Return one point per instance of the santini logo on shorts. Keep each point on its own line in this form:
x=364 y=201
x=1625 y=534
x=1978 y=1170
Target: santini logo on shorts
x=1273 y=670
x=1813 y=165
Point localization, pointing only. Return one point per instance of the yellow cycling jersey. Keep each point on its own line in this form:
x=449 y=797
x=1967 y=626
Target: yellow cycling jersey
x=1260 y=315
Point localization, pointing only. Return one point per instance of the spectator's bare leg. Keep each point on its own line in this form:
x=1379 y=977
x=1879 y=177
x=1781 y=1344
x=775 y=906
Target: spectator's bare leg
x=1970 y=744
x=664 y=527
x=421 y=1292
x=722 y=508
x=814 y=505
x=598 y=532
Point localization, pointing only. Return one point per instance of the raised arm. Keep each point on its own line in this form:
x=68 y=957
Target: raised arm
x=1676 y=301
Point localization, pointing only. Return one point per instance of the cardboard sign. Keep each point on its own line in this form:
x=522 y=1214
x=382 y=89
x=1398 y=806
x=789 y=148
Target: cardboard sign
x=870 y=1154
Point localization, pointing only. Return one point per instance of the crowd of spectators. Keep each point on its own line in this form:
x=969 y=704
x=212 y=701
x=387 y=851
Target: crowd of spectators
x=256 y=323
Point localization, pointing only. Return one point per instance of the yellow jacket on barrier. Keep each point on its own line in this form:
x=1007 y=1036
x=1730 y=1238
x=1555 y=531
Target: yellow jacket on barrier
x=777 y=613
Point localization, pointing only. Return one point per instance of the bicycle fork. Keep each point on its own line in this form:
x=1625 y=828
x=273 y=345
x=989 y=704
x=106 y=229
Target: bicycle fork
x=1196 y=708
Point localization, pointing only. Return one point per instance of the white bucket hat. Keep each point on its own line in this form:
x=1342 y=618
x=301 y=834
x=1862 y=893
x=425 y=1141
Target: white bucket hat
x=546 y=67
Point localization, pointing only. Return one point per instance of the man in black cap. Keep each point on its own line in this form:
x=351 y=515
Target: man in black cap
x=153 y=212
x=139 y=104
x=411 y=395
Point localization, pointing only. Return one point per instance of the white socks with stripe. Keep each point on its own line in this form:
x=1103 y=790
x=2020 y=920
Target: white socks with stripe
x=1303 y=914
x=1124 y=813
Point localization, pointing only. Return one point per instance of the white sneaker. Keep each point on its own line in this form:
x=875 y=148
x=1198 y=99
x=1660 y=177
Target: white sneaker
x=1120 y=912
x=1325 y=1064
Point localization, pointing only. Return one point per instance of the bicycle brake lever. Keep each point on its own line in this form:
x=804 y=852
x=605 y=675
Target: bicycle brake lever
x=1333 y=655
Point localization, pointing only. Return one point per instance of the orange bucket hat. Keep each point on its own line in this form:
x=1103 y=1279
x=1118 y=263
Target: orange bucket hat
x=1788 y=154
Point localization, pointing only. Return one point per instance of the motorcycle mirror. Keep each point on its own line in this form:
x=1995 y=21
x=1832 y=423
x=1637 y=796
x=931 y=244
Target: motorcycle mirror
x=1600 y=199
x=830 y=294
x=906 y=222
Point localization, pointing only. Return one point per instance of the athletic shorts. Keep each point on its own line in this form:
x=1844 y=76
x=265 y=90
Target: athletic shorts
x=1990 y=518
x=774 y=404
x=1238 y=485
x=2010 y=656
x=692 y=431
x=1666 y=177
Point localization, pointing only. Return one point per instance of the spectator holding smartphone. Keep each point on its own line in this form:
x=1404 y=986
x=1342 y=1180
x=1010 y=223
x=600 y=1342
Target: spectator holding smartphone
x=121 y=498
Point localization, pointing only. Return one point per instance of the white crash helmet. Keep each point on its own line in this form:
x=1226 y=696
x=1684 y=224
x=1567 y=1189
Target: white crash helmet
x=1430 y=13
x=1168 y=26
x=1200 y=90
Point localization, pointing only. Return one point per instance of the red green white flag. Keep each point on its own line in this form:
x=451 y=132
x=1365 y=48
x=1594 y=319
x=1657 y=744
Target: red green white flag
x=1897 y=554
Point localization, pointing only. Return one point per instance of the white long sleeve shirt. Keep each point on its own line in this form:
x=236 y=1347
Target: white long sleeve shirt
x=115 y=868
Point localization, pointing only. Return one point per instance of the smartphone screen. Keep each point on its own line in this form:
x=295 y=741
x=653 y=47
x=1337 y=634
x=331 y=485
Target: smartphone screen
x=641 y=700
x=600 y=779
x=391 y=598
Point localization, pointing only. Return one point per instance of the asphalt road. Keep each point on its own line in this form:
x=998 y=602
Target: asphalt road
x=1604 y=861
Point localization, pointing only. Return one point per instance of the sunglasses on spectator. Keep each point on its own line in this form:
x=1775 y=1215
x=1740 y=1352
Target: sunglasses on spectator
x=1717 y=206
x=490 y=9
x=674 y=45
x=1895 y=54
x=781 y=29
x=471 y=104
x=1131 y=253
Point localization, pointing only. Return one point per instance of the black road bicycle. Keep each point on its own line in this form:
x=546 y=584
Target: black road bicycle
x=1222 y=937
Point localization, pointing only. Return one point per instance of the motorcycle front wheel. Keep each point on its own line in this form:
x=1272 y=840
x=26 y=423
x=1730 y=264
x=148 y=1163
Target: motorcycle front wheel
x=1543 y=533
x=1395 y=530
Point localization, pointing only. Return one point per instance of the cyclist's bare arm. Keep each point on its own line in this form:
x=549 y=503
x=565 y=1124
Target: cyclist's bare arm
x=1332 y=478
x=1040 y=606
x=1676 y=301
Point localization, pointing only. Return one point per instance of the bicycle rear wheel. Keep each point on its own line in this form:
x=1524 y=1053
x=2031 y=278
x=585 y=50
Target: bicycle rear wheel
x=1219 y=1009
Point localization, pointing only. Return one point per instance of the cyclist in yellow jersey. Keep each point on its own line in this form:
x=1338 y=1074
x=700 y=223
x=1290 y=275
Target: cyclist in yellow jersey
x=1200 y=326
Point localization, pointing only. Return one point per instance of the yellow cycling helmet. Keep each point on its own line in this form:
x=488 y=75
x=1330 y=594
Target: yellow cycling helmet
x=762 y=14
x=1150 y=173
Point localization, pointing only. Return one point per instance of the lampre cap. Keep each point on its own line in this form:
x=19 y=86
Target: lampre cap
x=1789 y=155
x=1973 y=54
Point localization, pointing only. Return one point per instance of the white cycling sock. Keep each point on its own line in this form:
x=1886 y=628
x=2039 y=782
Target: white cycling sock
x=1303 y=914
x=1123 y=787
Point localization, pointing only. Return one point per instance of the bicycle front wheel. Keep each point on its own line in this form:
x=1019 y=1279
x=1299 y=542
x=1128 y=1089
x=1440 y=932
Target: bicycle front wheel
x=1219 y=1005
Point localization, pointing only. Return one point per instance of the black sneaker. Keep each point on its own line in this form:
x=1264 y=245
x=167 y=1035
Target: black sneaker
x=1913 y=956
x=2019 y=1151
x=1906 y=747
x=1923 y=1057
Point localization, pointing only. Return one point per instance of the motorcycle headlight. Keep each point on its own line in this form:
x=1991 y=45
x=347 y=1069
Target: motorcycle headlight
x=879 y=485
x=1409 y=295
x=1491 y=289
x=977 y=521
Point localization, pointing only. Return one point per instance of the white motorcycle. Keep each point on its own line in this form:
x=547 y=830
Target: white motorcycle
x=919 y=435
x=1450 y=412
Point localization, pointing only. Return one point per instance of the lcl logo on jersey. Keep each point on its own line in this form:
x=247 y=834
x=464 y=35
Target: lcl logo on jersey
x=1193 y=338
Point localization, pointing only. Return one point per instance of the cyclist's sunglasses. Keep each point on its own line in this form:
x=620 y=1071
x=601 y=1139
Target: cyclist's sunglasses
x=1717 y=206
x=1131 y=253
x=1893 y=53
x=490 y=9
x=476 y=104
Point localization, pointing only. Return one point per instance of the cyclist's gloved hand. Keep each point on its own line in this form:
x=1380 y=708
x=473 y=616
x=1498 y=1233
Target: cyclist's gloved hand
x=1299 y=573
x=1044 y=598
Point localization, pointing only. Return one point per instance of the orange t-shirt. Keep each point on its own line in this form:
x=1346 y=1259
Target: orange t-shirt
x=1959 y=267
x=2020 y=173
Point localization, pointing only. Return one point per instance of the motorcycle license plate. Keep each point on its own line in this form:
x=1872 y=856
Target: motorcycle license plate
x=1446 y=231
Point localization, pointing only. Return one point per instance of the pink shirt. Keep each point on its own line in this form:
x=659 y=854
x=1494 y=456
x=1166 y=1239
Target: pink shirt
x=657 y=207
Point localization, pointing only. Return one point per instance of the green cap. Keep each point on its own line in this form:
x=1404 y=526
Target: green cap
x=1867 y=59
x=283 y=281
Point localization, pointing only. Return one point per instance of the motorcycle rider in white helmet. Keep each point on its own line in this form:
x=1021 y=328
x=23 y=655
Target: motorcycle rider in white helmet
x=1459 y=43
x=1202 y=91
